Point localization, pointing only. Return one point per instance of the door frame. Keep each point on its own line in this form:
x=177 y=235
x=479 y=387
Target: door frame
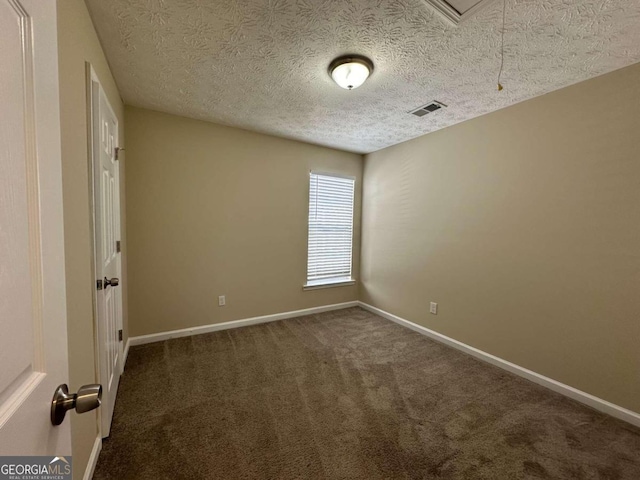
x=93 y=101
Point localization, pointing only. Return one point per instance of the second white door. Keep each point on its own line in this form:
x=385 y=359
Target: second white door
x=107 y=248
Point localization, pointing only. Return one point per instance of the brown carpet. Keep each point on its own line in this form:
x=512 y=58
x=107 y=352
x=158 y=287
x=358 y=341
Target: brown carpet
x=347 y=395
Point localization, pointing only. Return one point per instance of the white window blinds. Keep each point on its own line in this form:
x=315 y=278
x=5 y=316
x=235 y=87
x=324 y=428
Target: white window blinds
x=330 y=229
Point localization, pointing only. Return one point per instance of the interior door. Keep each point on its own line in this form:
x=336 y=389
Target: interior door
x=33 y=325
x=107 y=251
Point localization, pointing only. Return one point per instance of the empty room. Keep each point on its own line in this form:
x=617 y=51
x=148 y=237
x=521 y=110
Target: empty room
x=320 y=239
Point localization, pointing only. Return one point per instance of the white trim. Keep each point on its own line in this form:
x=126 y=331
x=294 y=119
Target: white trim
x=93 y=459
x=186 y=332
x=125 y=353
x=332 y=174
x=329 y=283
x=582 y=397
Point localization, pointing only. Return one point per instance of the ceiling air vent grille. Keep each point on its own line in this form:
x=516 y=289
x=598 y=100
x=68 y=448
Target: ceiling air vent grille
x=427 y=109
x=457 y=11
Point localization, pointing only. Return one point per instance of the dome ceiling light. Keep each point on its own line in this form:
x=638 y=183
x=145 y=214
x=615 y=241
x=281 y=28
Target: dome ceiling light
x=350 y=71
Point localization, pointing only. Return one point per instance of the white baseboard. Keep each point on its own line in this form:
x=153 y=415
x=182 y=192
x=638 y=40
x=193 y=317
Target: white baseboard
x=571 y=392
x=186 y=332
x=93 y=459
x=125 y=354
x=582 y=397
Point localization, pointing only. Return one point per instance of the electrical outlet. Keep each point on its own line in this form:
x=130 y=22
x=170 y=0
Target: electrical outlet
x=433 y=308
x=222 y=301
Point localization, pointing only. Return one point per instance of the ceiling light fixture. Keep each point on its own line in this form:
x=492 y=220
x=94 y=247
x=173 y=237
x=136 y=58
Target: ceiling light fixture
x=350 y=71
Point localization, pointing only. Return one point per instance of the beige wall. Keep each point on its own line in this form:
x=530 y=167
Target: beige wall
x=78 y=44
x=524 y=226
x=214 y=210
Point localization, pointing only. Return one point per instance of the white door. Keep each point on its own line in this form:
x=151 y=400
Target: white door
x=33 y=325
x=107 y=251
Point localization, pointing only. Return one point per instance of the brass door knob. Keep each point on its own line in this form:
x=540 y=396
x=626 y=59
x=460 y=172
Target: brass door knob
x=114 y=282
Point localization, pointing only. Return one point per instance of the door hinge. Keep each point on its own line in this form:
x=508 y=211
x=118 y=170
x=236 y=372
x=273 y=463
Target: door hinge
x=116 y=152
x=99 y=284
x=118 y=246
x=120 y=335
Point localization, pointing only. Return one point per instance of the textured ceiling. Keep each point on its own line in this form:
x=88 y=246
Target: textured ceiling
x=262 y=64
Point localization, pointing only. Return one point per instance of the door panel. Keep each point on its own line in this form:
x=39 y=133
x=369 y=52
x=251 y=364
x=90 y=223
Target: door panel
x=33 y=344
x=17 y=208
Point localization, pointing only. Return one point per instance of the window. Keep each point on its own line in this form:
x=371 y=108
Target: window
x=330 y=230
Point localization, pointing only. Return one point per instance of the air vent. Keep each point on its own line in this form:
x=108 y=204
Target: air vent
x=426 y=109
x=457 y=11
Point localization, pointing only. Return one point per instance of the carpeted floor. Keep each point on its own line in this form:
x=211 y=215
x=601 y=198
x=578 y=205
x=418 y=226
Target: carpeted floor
x=347 y=395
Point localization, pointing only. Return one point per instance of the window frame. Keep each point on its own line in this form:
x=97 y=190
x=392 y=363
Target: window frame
x=337 y=281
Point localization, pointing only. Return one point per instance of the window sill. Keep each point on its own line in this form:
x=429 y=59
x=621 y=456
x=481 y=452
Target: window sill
x=343 y=282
